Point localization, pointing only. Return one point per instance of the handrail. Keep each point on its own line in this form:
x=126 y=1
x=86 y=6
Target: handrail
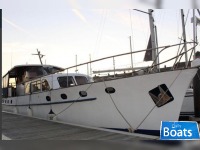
x=123 y=54
x=181 y=54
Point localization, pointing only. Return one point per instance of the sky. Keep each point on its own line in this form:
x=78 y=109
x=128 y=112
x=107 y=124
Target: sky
x=63 y=29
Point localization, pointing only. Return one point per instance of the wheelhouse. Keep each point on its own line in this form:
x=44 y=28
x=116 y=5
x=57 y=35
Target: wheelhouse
x=14 y=82
x=30 y=79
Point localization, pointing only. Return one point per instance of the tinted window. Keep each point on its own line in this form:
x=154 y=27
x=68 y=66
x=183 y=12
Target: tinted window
x=45 y=85
x=81 y=80
x=36 y=86
x=66 y=81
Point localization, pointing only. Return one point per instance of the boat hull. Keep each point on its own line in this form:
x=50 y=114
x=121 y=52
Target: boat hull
x=129 y=107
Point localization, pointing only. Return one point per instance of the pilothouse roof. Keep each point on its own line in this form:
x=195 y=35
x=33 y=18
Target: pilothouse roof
x=18 y=69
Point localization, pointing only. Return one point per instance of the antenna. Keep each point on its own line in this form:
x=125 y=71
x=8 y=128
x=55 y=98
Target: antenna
x=40 y=56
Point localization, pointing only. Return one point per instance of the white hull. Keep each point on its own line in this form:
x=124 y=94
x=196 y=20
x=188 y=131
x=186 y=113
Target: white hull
x=97 y=109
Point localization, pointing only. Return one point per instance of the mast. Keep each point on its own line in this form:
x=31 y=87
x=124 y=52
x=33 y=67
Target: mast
x=194 y=30
x=184 y=37
x=154 y=50
x=153 y=39
x=158 y=61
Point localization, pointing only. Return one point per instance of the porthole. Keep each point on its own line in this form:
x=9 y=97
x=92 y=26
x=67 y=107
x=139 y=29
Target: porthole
x=48 y=98
x=83 y=93
x=63 y=96
x=110 y=90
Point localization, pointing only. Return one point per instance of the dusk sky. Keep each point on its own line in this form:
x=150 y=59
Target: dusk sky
x=62 y=29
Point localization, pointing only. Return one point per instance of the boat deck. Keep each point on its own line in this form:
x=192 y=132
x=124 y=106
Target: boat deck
x=17 y=127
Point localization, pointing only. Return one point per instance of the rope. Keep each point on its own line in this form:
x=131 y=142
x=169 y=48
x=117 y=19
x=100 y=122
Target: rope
x=131 y=128
x=72 y=103
x=157 y=102
x=101 y=29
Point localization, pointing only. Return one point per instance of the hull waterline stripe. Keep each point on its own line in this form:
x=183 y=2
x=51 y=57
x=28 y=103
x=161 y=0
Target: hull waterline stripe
x=60 y=102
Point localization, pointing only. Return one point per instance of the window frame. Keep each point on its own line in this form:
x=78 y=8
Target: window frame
x=86 y=80
x=67 y=80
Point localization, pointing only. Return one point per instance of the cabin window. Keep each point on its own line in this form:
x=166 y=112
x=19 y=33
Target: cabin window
x=12 y=82
x=66 y=81
x=36 y=86
x=5 y=81
x=81 y=80
x=45 y=85
x=12 y=87
x=5 y=86
x=27 y=88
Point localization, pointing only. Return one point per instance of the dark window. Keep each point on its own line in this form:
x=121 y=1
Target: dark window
x=45 y=85
x=81 y=80
x=36 y=86
x=66 y=81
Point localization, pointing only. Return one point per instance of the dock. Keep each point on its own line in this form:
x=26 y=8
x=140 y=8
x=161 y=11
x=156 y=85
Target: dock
x=17 y=127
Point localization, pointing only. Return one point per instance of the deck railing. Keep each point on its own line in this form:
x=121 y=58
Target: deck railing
x=153 y=68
